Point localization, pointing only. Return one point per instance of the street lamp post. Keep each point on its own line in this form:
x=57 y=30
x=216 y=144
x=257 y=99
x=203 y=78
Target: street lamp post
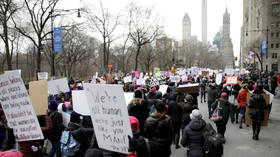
x=52 y=30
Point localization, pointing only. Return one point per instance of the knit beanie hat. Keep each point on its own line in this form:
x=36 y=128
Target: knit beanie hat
x=134 y=123
x=224 y=95
x=138 y=94
x=53 y=105
x=75 y=117
x=196 y=114
x=10 y=153
x=154 y=89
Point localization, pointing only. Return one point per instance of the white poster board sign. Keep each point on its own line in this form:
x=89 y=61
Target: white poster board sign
x=65 y=118
x=11 y=71
x=128 y=97
x=127 y=79
x=219 y=78
x=18 y=108
x=109 y=116
x=140 y=81
x=80 y=104
x=232 y=80
x=43 y=75
x=163 y=88
x=56 y=86
x=175 y=78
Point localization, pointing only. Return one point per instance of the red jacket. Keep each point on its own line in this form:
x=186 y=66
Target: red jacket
x=131 y=155
x=278 y=79
x=242 y=97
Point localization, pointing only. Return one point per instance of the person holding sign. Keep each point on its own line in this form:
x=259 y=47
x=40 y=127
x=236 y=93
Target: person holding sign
x=158 y=130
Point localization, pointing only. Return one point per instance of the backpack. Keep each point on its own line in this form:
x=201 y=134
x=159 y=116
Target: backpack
x=217 y=113
x=212 y=141
x=69 y=146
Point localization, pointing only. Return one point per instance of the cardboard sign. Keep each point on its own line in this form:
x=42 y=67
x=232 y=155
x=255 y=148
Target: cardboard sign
x=18 y=108
x=42 y=75
x=80 y=104
x=38 y=93
x=109 y=116
x=204 y=73
x=232 y=80
x=57 y=86
x=219 y=78
x=189 y=88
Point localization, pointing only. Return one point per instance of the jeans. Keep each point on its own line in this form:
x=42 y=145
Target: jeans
x=202 y=95
x=221 y=129
x=55 y=149
x=209 y=108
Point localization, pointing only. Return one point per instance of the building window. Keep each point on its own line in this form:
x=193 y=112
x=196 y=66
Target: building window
x=276 y=9
x=277 y=34
x=274 y=55
x=272 y=34
x=272 y=46
x=274 y=67
x=277 y=46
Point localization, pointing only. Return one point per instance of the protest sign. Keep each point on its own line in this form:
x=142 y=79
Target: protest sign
x=163 y=89
x=219 y=78
x=204 y=73
x=11 y=71
x=140 y=81
x=65 y=118
x=127 y=79
x=189 y=88
x=232 y=80
x=80 y=104
x=109 y=116
x=128 y=97
x=56 y=86
x=18 y=108
x=38 y=93
x=175 y=78
x=158 y=74
x=93 y=80
x=42 y=75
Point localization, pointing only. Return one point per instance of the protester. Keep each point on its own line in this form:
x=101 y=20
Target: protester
x=257 y=105
x=226 y=112
x=158 y=130
x=192 y=137
x=212 y=96
x=273 y=84
x=242 y=101
x=187 y=107
x=203 y=90
x=57 y=127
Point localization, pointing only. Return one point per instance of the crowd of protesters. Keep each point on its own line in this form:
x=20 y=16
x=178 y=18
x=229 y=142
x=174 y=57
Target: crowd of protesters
x=157 y=120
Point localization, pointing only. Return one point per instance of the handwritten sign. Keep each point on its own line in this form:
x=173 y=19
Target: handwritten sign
x=109 y=116
x=18 y=108
x=57 y=86
x=38 y=92
x=42 y=75
x=175 y=78
x=232 y=80
x=127 y=79
x=11 y=71
x=80 y=104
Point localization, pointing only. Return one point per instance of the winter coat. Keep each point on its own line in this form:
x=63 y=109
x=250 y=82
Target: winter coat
x=193 y=138
x=212 y=94
x=160 y=135
x=81 y=135
x=242 y=97
x=257 y=103
x=139 y=109
x=236 y=89
x=187 y=108
x=226 y=110
x=55 y=132
x=175 y=112
x=141 y=146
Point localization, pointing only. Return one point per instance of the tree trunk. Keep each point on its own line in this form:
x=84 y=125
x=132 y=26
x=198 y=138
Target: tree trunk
x=7 y=48
x=136 y=58
x=38 y=68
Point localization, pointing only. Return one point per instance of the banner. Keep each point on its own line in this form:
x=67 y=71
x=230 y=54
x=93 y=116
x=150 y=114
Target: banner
x=38 y=93
x=42 y=75
x=109 y=116
x=264 y=47
x=56 y=86
x=80 y=104
x=57 y=39
x=18 y=108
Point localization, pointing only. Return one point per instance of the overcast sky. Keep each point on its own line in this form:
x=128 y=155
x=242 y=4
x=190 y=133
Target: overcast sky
x=172 y=13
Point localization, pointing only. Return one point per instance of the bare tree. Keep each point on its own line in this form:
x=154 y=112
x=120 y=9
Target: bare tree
x=40 y=13
x=148 y=57
x=105 y=24
x=144 y=28
x=7 y=10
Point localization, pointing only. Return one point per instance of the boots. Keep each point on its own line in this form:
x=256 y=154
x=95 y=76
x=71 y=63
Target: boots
x=240 y=122
x=177 y=138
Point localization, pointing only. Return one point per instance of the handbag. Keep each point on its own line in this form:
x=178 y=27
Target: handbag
x=217 y=114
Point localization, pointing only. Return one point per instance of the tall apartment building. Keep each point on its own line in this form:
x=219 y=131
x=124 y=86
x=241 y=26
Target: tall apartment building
x=186 y=28
x=204 y=21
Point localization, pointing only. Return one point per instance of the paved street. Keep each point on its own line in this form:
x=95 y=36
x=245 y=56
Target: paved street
x=239 y=141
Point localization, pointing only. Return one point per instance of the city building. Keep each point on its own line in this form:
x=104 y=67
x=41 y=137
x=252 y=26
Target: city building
x=186 y=28
x=204 y=22
x=226 y=48
x=261 y=24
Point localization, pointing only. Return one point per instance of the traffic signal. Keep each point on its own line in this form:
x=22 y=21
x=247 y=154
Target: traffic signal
x=235 y=58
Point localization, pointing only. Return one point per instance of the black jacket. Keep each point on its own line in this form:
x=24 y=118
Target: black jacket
x=257 y=103
x=81 y=135
x=57 y=126
x=175 y=112
x=212 y=94
x=160 y=135
x=193 y=138
x=187 y=108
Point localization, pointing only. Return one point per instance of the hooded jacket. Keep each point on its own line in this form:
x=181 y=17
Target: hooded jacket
x=257 y=102
x=193 y=138
x=212 y=94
